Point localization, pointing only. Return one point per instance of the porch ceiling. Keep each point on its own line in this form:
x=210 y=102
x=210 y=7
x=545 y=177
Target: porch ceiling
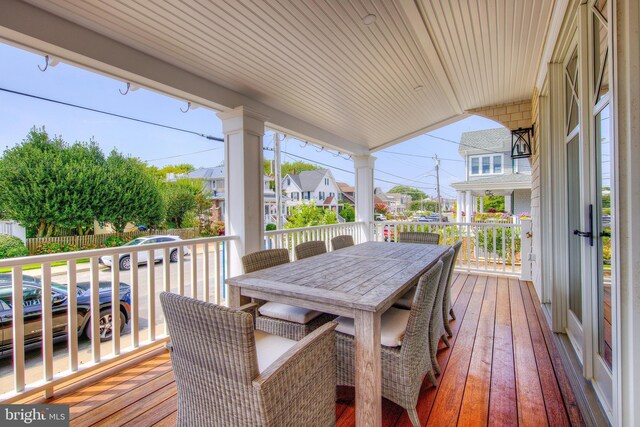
x=318 y=62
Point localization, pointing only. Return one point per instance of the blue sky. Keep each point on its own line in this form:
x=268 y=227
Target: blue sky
x=19 y=71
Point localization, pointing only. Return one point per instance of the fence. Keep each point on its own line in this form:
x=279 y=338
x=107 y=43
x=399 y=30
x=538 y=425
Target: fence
x=12 y=228
x=98 y=240
x=486 y=247
x=84 y=306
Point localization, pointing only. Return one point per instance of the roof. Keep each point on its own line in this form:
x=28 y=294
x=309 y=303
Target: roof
x=207 y=173
x=328 y=200
x=504 y=181
x=485 y=141
x=346 y=188
x=309 y=180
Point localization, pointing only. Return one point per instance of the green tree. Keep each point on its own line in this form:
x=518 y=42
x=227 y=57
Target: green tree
x=427 y=205
x=131 y=193
x=308 y=215
x=48 y=184
x=288 y=167
x=348 y=212
x=415 y=193
x=493 y=204
x=161 y=173
x=181 y=200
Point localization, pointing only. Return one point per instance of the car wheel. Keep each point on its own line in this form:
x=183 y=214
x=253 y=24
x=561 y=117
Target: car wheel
x=125 y=263
x=173 y=257
x=105 y=325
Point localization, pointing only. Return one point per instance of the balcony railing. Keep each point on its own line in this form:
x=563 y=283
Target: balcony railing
x=89 y=293
x=486 y=247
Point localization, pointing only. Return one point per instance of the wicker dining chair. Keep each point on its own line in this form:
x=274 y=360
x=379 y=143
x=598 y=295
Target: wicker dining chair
x=403 y=366
x=448 y=307
x=309 y=249
x=418 y=237
x=436 y=325
x=340 y=242
x=282 y=319
x=216 y=357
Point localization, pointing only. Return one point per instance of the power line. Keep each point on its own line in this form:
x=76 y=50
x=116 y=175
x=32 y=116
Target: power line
x=68 y=104
x=424 y=157
x=181 y=155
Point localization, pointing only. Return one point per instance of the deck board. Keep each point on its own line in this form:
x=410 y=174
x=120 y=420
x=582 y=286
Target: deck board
x=502 y=369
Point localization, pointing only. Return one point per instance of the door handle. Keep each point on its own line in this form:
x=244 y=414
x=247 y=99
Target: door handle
x=582 y=233
x=587 y=234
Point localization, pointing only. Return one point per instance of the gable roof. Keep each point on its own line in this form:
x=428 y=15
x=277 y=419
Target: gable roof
x=507 y=181
x=207 y=173
x=485 y=141
x=309 y=180
x=346 y=188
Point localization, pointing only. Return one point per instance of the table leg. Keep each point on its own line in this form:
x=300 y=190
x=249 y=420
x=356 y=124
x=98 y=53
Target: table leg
x=368 y=369
x=234 y=298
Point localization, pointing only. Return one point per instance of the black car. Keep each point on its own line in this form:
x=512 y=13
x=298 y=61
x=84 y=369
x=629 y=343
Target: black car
x=32 y=306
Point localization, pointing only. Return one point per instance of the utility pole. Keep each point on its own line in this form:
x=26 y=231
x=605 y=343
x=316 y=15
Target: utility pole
x=438 y=187
x=278 y=179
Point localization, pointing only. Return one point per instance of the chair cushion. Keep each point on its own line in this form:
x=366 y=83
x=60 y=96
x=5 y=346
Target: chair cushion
x=407 y=299
x=288 y=312
x=393 y=325
x=270 y=348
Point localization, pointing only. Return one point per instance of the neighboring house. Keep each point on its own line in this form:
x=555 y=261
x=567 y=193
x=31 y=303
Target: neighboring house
x=397 y=203
x=213 y=183
x=490 y=171
x=317 y=185
x=347 y=193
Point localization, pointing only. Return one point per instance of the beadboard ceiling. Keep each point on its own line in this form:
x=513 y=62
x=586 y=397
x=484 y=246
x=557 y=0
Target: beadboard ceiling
x=420 y=64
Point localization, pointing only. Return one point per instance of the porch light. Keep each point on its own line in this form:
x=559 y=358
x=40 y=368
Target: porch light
x=521 y=142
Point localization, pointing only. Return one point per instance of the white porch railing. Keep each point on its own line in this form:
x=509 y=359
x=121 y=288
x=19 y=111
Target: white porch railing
x=486 y=247
x=289 y=238
x=21 y=376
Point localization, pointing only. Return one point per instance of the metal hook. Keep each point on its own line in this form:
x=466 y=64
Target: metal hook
x=305 y=144
x=338 y=154
x=126 y=91
x=46 y=64
x=320 y=150
x=188 y=107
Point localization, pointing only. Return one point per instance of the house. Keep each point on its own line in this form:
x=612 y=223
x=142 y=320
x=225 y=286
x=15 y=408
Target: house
x=213 y=183
x=558 y=346
x=347 y=193
x=490 y=171
x=397 y=203
x=318 y=186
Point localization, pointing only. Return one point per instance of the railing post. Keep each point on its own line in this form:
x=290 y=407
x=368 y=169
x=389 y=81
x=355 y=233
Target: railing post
x=525 y=248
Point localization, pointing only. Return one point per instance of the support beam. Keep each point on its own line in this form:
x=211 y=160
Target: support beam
x=468 y=206
x=244 y=189
x=460 y=206
x=364 y=191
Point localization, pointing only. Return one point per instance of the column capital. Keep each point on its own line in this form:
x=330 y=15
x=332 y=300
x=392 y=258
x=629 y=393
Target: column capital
x=242 y=119
x=364 y=161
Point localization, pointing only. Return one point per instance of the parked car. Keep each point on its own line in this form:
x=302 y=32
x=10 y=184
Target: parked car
x=32 y=306
x=389 y=232
x=423 y=218
x=125 y=259
x=380 y=217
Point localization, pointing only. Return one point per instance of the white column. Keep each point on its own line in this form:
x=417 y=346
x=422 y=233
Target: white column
x=507 y=203
x=364 y=191
x=460 y=206
x=244 y=189
x=468 y=210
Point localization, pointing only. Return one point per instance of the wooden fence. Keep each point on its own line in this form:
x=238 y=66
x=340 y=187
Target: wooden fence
x=98 y=240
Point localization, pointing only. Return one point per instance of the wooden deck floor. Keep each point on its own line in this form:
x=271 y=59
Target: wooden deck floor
x=502 y=369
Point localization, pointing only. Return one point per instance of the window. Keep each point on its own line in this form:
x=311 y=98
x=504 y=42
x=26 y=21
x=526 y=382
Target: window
x=326 y=181
x=295 y=196
x=288 y=181
x=306 y=195
x=331 y=194
x=486 y=165
x=321 y=195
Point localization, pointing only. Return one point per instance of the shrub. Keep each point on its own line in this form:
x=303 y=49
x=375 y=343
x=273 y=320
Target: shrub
x=113 y=241
x=217 y=228
x=11 y=247
x=271 y=227
x=54 y=248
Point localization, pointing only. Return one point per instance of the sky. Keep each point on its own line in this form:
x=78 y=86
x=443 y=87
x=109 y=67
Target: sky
x=160 y=146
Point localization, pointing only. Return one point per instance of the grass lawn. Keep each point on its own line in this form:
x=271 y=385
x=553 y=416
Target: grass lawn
x=37 y=266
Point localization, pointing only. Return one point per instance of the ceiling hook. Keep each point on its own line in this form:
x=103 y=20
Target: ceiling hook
x=188 y=107
x=305 y=144
x=320 y=150
x=47 y=63
x=126 y=91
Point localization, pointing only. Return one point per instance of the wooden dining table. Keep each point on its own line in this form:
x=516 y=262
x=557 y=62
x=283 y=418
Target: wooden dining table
x=360 y=282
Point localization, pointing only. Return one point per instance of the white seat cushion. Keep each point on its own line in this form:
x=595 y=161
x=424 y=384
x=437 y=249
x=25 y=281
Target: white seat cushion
x=270 y=348
x=407 y=299
x=393 y=325
x=288 y=312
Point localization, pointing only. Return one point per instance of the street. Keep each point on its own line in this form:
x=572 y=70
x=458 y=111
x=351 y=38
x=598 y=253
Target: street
x=33 y=357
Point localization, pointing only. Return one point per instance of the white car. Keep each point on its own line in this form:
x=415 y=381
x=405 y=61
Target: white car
x=125 y=259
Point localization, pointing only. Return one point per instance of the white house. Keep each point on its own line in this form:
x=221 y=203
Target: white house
x=317 y=185
x=490 y=171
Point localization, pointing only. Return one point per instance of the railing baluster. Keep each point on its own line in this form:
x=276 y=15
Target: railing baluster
x=504 y=255
x=205 y=271
x=151 y=291
x=194 y=271
x=495 y=249
x=115 y=305
x=218 y=274
x=47 y=326
x=72 y=315
x=485 y=237
x=135 y=301
x=166 y=279
x=468 y=247
x=18 y=329
x=95 y=309
x=181 y=270
x=513 y=249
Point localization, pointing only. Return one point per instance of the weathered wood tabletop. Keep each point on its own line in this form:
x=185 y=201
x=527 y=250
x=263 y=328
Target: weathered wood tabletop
x=360 y=281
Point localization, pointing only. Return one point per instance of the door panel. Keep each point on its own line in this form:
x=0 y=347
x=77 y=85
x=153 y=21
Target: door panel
x=574 y=212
